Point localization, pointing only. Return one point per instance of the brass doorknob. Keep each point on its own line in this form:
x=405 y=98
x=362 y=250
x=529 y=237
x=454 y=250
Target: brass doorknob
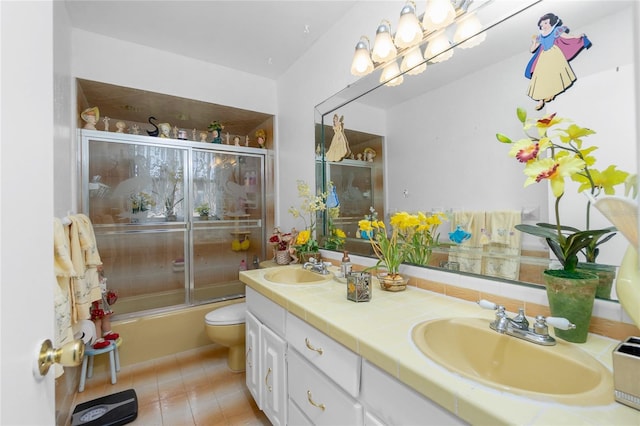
x=69 y=355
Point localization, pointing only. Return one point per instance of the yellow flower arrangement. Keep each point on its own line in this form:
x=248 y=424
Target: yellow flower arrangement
x=412 y=238
x=309 y=208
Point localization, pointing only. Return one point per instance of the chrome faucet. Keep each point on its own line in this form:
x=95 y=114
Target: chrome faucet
x=316 y=266
x=518 y=326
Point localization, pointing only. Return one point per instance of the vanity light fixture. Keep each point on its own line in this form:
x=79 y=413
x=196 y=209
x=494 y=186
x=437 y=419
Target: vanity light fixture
x=383 y=47
x=391 y=75
x=362 y=63
x=413 y=62
x=436 y=50
x=467 y=26
x=409 y=32
x=408 y=40
x=438 y=14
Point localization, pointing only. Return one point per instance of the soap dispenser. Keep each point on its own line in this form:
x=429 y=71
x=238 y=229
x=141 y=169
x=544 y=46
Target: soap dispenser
x=345 y=265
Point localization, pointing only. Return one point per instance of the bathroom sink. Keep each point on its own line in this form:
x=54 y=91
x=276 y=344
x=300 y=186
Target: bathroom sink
x=296 y=275
x=561 y=373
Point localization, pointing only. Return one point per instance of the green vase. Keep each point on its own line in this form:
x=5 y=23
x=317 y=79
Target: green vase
x=571 y=296
x=606 y=275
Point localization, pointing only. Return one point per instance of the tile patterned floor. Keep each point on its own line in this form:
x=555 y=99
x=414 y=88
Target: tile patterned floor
x=189 y=388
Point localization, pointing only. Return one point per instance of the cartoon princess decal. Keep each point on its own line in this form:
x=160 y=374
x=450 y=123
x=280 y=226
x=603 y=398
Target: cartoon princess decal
x=549 y=69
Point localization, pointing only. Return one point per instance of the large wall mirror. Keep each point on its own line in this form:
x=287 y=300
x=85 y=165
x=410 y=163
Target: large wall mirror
x=435 y=134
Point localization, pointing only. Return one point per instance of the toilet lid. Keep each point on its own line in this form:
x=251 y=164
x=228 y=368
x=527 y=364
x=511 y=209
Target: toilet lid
x=231 y=314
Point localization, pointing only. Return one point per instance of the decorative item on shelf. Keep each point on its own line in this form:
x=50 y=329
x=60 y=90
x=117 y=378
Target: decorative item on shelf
x=556 y=153
x=216 y=128
x=369 y=154
x=165 y=130
x=155 y=131
x=339 y=147
x=141 y=202
x=203 y=211
x=203 y=136
x=261 y=136
x=305 y=244
x=121 y=126
x=135 y=129
x=90 y=116
x=105 y=120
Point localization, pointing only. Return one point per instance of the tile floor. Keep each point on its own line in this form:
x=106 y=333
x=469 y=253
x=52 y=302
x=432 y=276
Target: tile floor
x=189 y=388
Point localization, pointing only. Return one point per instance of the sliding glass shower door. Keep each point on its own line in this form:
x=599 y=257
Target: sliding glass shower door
x=174 y=222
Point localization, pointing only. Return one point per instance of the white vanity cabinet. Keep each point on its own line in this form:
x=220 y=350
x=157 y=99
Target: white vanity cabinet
x=300 y=376
x=266 y=368
x=324 y=376
x=387 y=401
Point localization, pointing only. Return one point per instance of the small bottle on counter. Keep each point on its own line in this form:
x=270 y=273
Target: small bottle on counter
x=345 y=265
x=243 y=265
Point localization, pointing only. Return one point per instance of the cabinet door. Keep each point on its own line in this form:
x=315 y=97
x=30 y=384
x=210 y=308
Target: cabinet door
x=274 y=382
x=252 y=346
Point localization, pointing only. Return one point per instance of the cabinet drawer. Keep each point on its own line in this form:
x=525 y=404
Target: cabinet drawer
x=336 y=361
x=320 y=399
x=269 y=313
x=296 y=417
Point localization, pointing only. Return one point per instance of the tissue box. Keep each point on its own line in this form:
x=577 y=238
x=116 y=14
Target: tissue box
x=626 y=372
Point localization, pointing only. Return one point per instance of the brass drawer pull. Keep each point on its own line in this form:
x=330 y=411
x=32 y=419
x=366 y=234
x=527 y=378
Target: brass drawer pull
x=266 y=380
x=319 y=350
x=312 y=402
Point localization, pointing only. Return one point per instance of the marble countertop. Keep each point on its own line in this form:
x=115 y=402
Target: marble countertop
x=379 y=331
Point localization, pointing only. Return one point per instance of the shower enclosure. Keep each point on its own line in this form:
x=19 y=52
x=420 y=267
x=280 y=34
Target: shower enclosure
x=174 y=220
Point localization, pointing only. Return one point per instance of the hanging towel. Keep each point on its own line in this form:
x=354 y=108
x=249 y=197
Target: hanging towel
x=502 y=254
x=502 y=229
x=469 y=253
x=63 y=270
x=85 y=287
x=472 y=222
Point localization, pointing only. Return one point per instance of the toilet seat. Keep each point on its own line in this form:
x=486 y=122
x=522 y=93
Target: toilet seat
x=227 y=315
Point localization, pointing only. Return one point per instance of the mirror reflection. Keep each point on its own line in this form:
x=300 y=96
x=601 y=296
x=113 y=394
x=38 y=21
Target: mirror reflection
x=436 y=132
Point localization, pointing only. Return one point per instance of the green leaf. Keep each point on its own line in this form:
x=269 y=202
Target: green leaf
x=502 y=138
x=522 y=114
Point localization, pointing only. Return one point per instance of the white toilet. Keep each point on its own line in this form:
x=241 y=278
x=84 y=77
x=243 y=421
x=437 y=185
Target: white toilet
x=225 y=326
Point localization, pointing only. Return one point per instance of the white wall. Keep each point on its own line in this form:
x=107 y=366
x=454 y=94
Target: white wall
x=319 y=74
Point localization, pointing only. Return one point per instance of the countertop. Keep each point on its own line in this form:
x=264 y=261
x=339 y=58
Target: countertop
x=379 y=331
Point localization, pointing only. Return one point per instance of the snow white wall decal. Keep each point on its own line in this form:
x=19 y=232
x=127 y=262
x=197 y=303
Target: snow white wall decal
x=549 y=69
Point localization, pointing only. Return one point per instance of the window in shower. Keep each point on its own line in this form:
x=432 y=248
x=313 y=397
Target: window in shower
x=157 y=250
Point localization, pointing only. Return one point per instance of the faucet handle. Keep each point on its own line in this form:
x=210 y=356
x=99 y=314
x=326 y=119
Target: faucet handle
x=485 y=304
x=561 y=323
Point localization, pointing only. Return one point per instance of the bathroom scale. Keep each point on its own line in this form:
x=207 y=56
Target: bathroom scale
x=111 y=410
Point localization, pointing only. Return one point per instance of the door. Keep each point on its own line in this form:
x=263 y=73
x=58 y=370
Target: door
x=26 y=197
